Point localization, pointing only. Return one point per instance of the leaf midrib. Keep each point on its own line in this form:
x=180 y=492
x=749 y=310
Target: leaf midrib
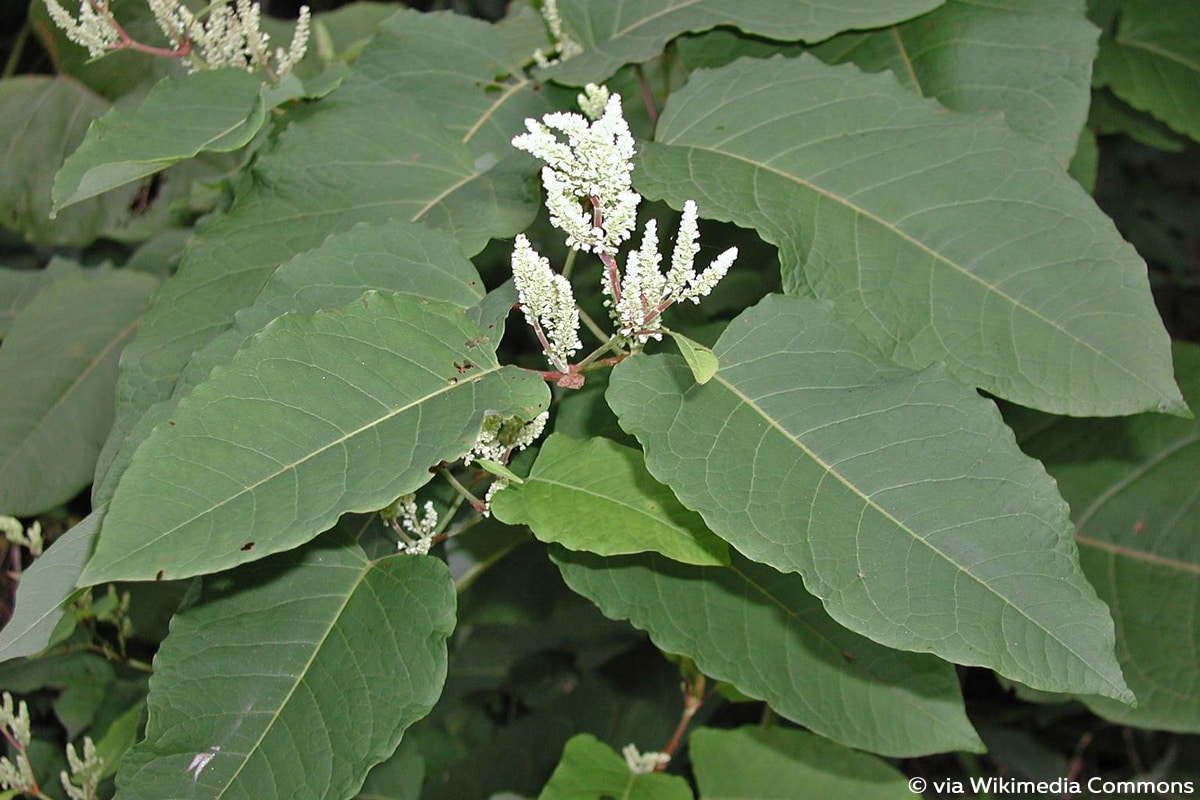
x=294 y=465
x=935 y=255
x=84 y=373
x=885 y=514
x=318 y=645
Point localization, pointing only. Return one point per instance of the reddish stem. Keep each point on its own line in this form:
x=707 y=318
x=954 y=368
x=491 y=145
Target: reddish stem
x=184 y=48
x=647 y=97
x=694 y=697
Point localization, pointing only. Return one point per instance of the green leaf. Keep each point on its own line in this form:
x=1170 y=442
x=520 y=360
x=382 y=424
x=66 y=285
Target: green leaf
x=1132 y=489
x=1108 y=116
x=780 y=764
x=398 y=778
x=18 y=287
x=614 y=34
x=58 y=368
x=211 y=110
x=761 y=631
x=42 y=120
x=1030 y=60
x=1152 y=61
x=900 y=496
x=700 y=359
x=500 y=471
x=598 y=497
x=373 y=150
x=304 y=670
x=590 y=770
x=343 y=411
x=45 y=589
x=942 y=237
x=397 y=256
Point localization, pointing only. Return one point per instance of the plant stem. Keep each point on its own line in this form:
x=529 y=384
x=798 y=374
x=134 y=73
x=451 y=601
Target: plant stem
x=596 y=330
x=693 y=697
x=463 y=491
x=647 y=96
x=611 y=344
x=10 y=66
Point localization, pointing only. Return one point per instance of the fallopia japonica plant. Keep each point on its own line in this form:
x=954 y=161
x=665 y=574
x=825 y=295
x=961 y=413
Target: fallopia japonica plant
x=431 y=471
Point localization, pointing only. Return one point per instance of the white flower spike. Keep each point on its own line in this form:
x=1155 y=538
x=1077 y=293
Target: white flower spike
x=646 y=293
x=587 y=179
x=548 y=303
x=220 y=36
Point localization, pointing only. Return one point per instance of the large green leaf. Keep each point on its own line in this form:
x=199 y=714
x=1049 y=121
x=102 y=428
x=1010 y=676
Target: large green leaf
x=397 y=256
x=342 y=411
x=295 y=674
x=1131 y=484
x=1028 y=59
x=942 y=237
x=41 y=121
x=633 y=31
x=1152 y=61
x=45 y=589
x=19 y=287
x=598 y=497
x=761 y=631
x=900 y=496
x=58 y=367
x=371 y=151
x=780 y=764
x=590 y=769
x=214 y=110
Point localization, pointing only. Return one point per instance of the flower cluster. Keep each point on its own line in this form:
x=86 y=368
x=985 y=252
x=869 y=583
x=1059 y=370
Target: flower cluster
x=590 y=197
x=643 y=763
x=421 y=525
x=645 y=292
x=499 y=436
x=587 y=178
x=548 y=303
x=18 y=534
x=223 y=35
x=564 y=46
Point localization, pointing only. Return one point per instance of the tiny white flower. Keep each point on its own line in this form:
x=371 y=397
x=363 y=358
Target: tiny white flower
x=643 y=763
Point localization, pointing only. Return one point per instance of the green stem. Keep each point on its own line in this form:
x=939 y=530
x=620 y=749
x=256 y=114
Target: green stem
x=10 y=66
x=596 y=330
x=463 y=491
x=611 y=344
x=569 y=264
